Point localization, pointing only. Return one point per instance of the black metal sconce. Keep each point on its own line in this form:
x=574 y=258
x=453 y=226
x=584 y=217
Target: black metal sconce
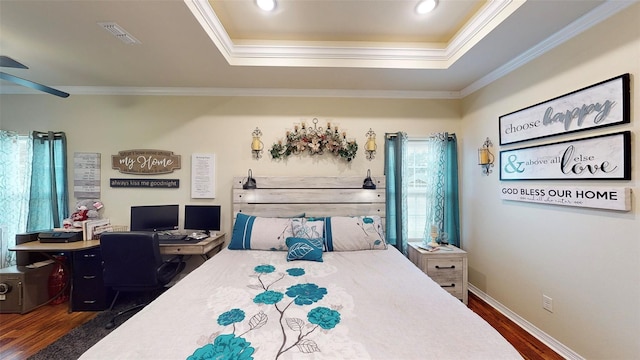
x=256 y=144
x=485 y=157
x=370 y=146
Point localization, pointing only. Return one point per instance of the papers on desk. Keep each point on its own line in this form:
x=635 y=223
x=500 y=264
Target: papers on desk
x=198 y=236
x=93 y=228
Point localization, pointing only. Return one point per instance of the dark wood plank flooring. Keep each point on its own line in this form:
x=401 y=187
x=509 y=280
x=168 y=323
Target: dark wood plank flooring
x=529 y=347
x=24 y=335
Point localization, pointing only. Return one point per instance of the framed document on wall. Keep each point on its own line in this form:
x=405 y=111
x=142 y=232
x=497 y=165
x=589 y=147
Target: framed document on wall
x=203 y=185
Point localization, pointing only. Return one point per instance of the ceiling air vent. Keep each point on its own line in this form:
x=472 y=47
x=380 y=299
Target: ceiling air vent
x=119 y=32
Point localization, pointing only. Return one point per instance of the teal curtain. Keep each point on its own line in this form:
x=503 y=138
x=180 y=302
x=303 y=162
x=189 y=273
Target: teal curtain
x=396 y=190
x=442 y=201
x=15 y=171
x=48 y=202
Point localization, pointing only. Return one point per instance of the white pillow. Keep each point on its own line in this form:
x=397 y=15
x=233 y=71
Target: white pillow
x=306 y=228
x=342 y=233
x=260 y=233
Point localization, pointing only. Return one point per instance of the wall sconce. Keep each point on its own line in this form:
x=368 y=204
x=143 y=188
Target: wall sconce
x=368 y=183
x=485 y=157
x=370 y=146
x=256 y=143
x=250 y=183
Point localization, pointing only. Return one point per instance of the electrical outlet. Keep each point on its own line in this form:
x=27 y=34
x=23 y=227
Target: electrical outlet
x=547 y=303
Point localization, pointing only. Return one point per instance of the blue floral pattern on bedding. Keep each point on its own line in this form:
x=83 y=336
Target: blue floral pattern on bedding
x=295 y=332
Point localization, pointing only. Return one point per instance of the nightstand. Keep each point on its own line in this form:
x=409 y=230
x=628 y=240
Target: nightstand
x=446 y=266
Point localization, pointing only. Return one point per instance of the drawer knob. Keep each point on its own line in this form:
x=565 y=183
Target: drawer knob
x=89 y=277
x=445 y=267
x=447 y=286
x=89 y=301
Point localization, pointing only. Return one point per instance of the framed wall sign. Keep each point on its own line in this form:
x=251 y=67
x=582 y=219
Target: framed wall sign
x=86 y=175
x=603 y=104
x=145 y=183
x=145 y=161
x=610 y=198
x=599 y=157
x=203 y=176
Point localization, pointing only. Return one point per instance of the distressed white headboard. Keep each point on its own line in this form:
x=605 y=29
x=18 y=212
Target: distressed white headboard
x=282 y=196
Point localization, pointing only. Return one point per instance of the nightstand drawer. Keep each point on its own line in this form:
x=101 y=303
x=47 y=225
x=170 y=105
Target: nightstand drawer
x=445 y=271
x=446 y=266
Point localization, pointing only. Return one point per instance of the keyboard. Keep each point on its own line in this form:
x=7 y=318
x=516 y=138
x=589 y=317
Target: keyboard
x=171 y=237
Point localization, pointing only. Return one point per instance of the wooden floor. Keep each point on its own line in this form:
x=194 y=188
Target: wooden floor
x=529 y=347
x=23 y=335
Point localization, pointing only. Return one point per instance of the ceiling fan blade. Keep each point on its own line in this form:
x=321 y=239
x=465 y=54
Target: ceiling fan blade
x=33 y=85
x=6 y=61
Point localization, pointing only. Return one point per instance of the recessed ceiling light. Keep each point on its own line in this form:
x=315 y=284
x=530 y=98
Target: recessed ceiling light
x=266 y=5
x=426 y=6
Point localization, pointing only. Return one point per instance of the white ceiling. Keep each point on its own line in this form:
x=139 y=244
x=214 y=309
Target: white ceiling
x=372 y=48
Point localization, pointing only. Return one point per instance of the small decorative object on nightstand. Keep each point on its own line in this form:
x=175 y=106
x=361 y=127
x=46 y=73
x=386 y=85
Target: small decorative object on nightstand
x=447 y=266
x=434 y=236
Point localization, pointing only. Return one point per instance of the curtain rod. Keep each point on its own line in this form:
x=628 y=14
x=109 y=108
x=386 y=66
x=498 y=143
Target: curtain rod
x=42 y=134
x=393 y=135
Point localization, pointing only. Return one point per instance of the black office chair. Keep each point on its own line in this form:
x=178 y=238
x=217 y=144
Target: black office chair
x=131 y=262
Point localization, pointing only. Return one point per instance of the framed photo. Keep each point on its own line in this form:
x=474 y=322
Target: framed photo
x=603 y=104
x=594 y=158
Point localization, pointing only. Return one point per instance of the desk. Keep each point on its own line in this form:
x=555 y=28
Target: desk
x=202 y=247
x=87 y=292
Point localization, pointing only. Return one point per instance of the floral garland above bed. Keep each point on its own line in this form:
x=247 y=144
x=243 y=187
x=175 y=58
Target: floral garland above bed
x=316 y=141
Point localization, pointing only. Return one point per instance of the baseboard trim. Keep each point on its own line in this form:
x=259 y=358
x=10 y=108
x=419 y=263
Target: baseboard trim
x=554 y=344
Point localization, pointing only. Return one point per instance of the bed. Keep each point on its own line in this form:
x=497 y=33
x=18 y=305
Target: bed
x=294 y=294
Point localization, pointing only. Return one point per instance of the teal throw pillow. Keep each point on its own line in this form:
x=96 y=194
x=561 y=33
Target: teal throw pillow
x=304 y=249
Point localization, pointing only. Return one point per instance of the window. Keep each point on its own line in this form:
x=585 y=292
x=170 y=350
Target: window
x=27 y=205
x=15 y=155
x=415 y=178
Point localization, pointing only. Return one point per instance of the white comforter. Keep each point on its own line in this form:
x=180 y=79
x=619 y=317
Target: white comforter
x=244 y=304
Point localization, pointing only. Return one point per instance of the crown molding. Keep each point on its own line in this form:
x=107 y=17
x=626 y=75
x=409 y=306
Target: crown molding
x=352 y=54
x=239 y=92
x=587 y=21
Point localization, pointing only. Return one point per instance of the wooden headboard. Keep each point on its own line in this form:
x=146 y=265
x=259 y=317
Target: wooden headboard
x=315 y=196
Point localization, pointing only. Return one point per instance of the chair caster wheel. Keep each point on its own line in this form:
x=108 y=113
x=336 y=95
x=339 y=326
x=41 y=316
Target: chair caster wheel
x=110 y=325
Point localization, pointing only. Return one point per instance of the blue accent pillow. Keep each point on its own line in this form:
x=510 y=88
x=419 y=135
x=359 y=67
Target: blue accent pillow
x=304 y=249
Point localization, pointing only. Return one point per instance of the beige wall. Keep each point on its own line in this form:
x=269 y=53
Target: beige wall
x=219 y=125
x=587 y=260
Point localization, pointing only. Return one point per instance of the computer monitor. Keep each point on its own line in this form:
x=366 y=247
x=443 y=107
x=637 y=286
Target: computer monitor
x=202 y=217
x=154 y=218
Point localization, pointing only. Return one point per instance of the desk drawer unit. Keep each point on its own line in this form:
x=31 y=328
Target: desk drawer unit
x=89 y=293
x=448 y=268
